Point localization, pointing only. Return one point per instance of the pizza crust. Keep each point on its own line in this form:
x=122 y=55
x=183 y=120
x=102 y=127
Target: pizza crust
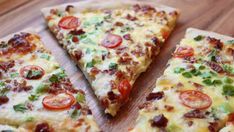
x=110 y=4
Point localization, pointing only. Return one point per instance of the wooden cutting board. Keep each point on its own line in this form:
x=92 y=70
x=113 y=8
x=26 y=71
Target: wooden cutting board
x=212 y=15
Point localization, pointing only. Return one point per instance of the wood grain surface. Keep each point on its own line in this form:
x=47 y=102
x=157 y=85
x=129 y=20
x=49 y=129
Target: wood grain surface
x=212 y=15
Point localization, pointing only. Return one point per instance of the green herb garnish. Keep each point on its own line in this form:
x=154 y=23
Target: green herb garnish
x=42 y=88
x=20 y=108
x=228 y=80
x=199 y=38
x=80 y=97
x=228 y=90
x=187 y=74
x=217 y=82
x=15 y=74
x=208 y=82
x=45 y=56
x=33 y=97
x=178 y=70
x=113 y=66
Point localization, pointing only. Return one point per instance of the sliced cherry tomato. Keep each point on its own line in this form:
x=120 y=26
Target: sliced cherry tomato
x=124 y=88
x=231 y=118
x=69 y=22
x=112 y=41
x=195 y=99
x=31 y=72
x=58 y=102
x=182 y=52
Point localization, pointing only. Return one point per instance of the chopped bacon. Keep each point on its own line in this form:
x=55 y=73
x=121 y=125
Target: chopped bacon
x=215 y=42
x=68 y=8
x=3 y=99
x=169 y=107
x=77 y=32
x=159 y=121
x=125 y=59
x=197 y=85
x=104 y=102
x=138 y=51
x=147 y=8
x=94 y=71
x=213 y=127
x=131 y=18
x=112 y=96
x=195 y=114
x=29 y=106
x=119 y=74
x=61 y=86
x=5 y=66
x=21 y=86
x=77 y=54
x=127 y=37
x=173 y=13
x=76 y=106
x=155 y=96
x=190 y=123
x=119 y=24
x=231 y=118
x=136 y=7
x=215 y=66
x=42 y=127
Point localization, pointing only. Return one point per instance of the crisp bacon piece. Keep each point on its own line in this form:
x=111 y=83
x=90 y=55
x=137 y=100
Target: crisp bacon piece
x=21 y=86
x=136 y=7
x=213 y=127
x=61 y=86
x=119 y=24
x=195 y=114
x=3 y=100
x=215 y=42
x=77 y=32
x=125 y=59
x=5 y=66
x=42 y=127
x=159 y=121
x=215 y=66
x=147 y=8
x=131 y=18
x=155 y=40
x=155 y=96
x=77 y=54
x=112 y=96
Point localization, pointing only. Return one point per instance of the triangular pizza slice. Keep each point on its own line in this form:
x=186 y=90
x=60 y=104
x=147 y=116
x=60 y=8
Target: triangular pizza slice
x=112 y=41
x=35 y=92
x=196 y=91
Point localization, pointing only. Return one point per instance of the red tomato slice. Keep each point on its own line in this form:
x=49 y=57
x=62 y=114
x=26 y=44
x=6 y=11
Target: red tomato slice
x=69 y=22
x=31 y=72
x=195 y=99
x=124 y=88
x=58 y=102
x=182 y=52
x=112 y=41
x=231 y=118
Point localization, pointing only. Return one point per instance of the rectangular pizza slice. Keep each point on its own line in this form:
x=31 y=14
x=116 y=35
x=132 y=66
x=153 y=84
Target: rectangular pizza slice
x=35 y=92
x=112 y=42
x=196 y=91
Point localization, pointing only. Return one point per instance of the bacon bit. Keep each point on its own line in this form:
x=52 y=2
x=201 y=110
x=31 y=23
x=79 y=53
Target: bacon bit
x=231 y=118
x=145 y=105
x=121 y=50
x=169 y=108
x=190 y=123
x=147 y=8
x=18 y=87
x=159 y=121
x=113 y=84
x=215 y=66
x=136 y=7
x=125 y=59
x=75 y=39
x=213 y=127
x=119 y=24
x=138 y=51
x=155 y=40
x=86 y=111
x=197 y=85
x=119 y=75
x=76 y=106
x=69 y=8
x=131 y=18
x=180 y=84
x=109 y=71
x=77 y=32
x=77 y=54
x=112 y=96
x=195 y=114
x=155 y=96
x=42 y=127
x=29 y=106
x=5 y=66
x=3 y=99
x=94 y=71
x=190 y=59
x=127 y=37
x=105 y=102
x=61 y=86
x=161 y=13
x=215 y=42
x=174 y=13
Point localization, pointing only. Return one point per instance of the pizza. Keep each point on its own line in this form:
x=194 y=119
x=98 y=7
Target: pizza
x=112 y=42
x=196 y=91
x=35 y=92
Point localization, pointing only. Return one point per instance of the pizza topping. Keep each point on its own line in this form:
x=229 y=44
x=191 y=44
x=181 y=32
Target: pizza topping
x=33 y=97
x=3 y=99
x=215 y=66
x=199 y=38
x=147 y=8
x=58 y=102
x=119 y=24
x=155 y=40
x=61 y=85
x=80 y=97
x=183 y=52
x=228 y=90
x=159 y=121
x=155 y=96
x=195 y=114
x=77 y=54
x=20 y=86
x=213 y=126
x=131 y=18
x=69 y=8
x=112 y=41
x=77 y=32
x=195 y=99
x=5 y=66
x=112 y=96
x=42 y=127
x=124 y=88
x=69 y=22
x=32 y=72
x=231 y=118
x=20 y=108
x=215 y=42
x=127 y=37
x=75 y=39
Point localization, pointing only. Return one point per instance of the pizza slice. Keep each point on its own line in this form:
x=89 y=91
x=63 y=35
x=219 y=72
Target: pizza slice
x=35 y=92
x=196 y=91
x=112 y=42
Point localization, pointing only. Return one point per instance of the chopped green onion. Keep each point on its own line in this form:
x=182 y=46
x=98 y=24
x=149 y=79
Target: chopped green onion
x=42 y=88
x=113 y=66
x=199 y=37
x=228 y=90
x=13 y=75
x=20 y=108
x=179 y=70
x=228 y=80
x=217 y=82
x=187 y=74
x=208 y=82
x=80 y=97
x=33 y=97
